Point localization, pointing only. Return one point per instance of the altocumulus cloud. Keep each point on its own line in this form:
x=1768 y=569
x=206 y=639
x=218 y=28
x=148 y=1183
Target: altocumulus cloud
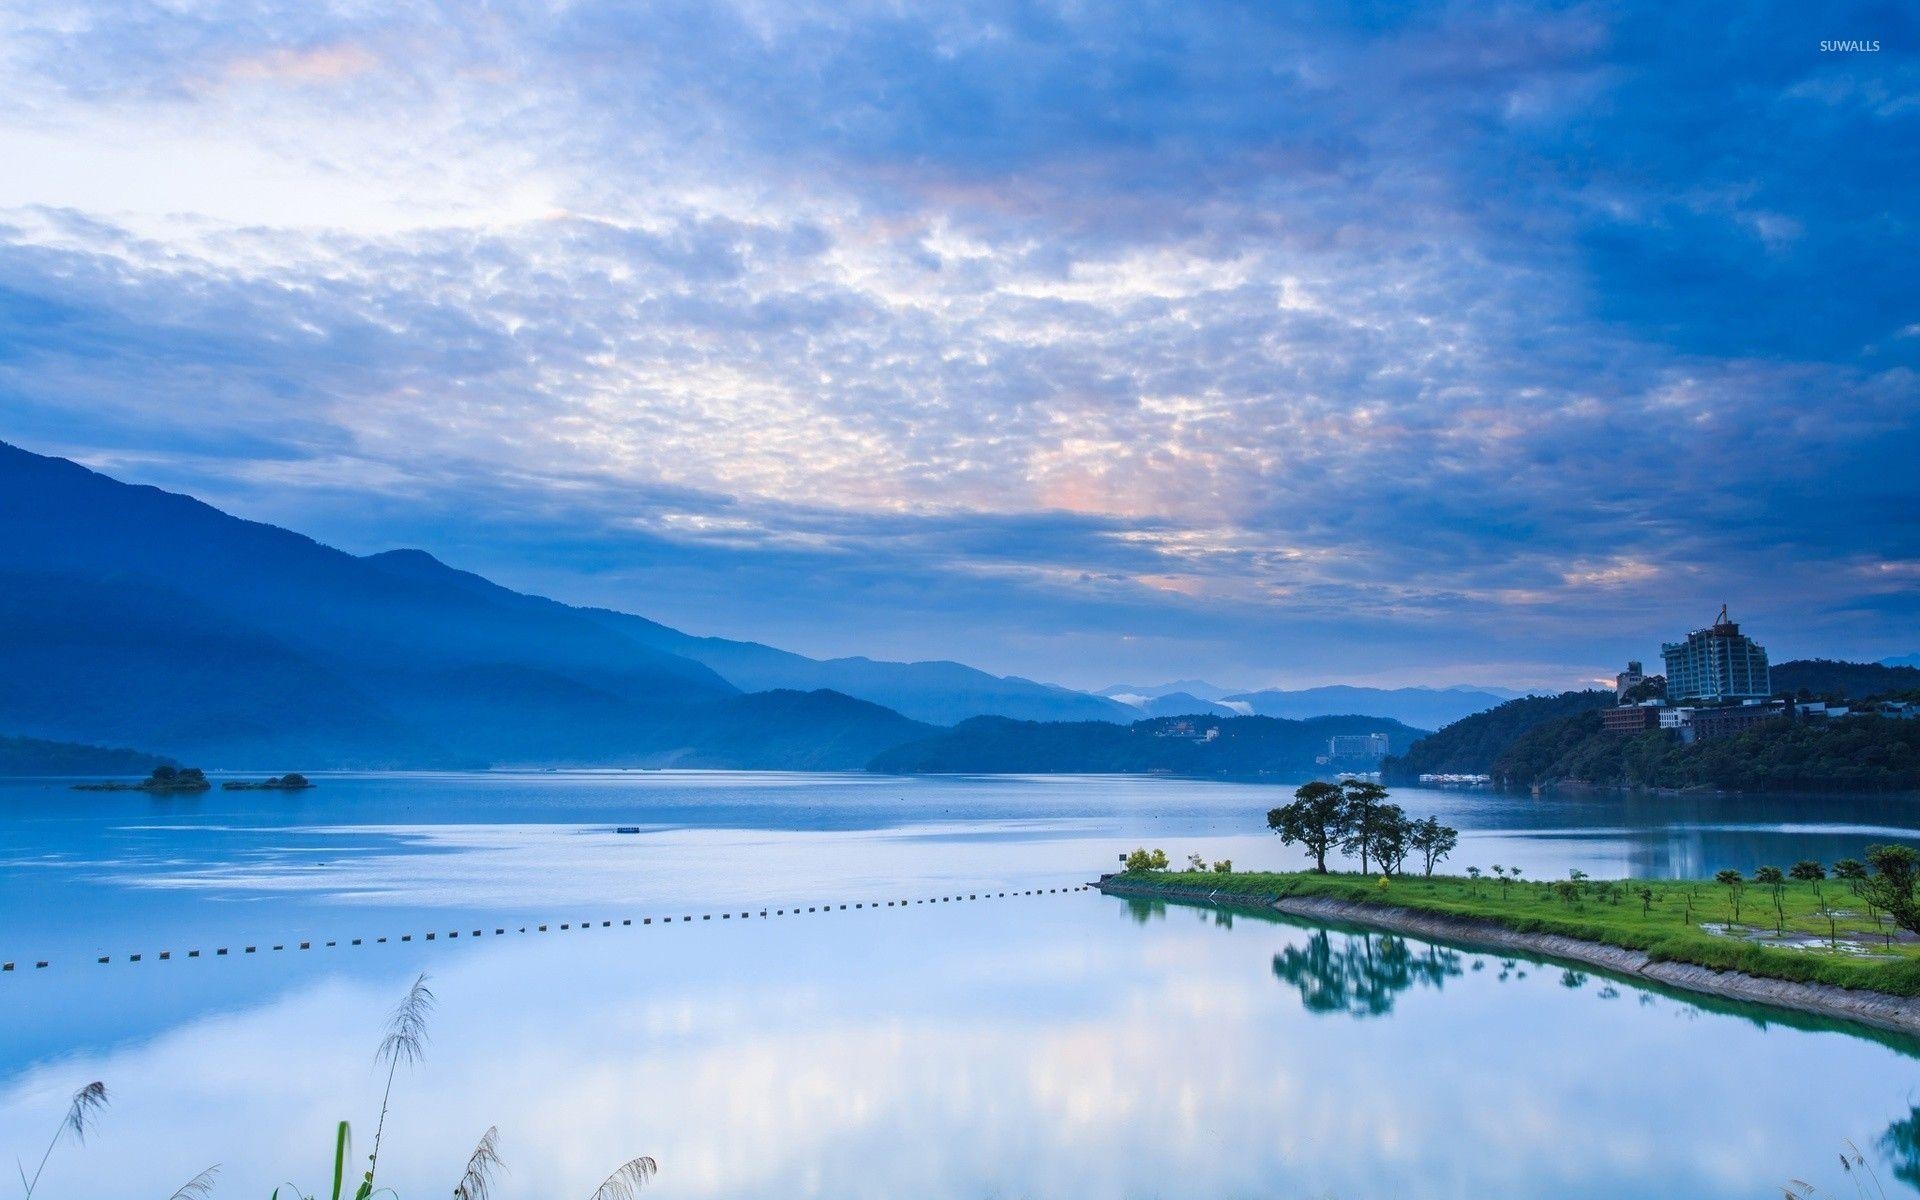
x=1080 y=341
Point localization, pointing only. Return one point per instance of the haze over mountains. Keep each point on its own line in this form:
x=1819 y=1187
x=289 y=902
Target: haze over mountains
x=130 y=616
x=1420 y=707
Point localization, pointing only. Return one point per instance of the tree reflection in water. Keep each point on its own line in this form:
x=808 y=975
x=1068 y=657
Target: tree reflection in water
x=1902 y=1144
x=1360 y=974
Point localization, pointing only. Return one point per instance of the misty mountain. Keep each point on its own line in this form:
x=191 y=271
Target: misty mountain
x=939 y=693
x=1198 y=688
x=1178 y=704
x=1420 y=707
x=130 y=615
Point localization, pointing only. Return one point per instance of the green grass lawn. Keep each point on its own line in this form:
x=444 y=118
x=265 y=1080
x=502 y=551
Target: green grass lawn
x=1840 y=946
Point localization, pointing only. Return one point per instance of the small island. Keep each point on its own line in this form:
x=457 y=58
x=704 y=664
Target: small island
x=164 y=780
x=292 y=781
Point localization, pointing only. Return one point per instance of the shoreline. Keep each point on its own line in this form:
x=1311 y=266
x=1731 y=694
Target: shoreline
x=1879 y=1010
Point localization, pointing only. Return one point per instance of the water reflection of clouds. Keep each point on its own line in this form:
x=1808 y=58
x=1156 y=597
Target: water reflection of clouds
x=527 y=866
x=968 y=1051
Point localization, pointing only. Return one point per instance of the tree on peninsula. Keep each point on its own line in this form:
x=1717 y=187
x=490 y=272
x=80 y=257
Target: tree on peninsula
x=1433 y=841
x=1317 y=819
x=1896 y=869
x=1366 y=819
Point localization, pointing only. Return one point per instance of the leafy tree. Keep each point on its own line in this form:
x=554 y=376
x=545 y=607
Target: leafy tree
x=1896 y=869
x=1735 y=885
x=1809 y=871
x=1147 y=860
x=1775 y=882
x=1317 y=819
x=1391 y=838
x=1850 y=869
x=1223 y=867
x=1364 y=801
x=1433 y=842
x=1567 y=891
x=1196 y=863
x=1646 y=899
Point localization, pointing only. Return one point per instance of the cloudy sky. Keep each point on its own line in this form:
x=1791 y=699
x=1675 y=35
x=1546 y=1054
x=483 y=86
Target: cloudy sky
x=1095 y=342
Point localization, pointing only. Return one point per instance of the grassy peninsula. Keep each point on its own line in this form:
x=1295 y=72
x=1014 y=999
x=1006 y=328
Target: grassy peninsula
x=1799 y=930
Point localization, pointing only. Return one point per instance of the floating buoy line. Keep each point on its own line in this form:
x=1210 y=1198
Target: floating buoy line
x=549 y=927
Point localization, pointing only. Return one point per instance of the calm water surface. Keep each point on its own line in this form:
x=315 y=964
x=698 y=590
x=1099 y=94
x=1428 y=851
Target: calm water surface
x=1059 y=1045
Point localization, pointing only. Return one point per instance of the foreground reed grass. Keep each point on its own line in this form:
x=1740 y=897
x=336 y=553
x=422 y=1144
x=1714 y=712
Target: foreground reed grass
x=83 y=1112
x=1799 y=930
x=405 y=1043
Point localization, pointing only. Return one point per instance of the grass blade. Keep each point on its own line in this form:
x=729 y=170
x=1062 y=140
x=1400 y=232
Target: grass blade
x=199 y=1187
x=342 y=1144
x=625 y=1184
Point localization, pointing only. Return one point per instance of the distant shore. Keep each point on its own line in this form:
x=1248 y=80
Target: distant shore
x=1771 y=976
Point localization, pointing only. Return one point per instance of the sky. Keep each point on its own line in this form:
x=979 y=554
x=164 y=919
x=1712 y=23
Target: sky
x=1272 y=344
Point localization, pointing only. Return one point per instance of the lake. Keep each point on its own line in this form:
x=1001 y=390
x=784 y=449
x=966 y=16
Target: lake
x=1064 y=1044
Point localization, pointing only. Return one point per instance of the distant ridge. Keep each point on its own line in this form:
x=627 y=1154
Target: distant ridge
x=936 y=692
x=134 y=616
x=36 y=756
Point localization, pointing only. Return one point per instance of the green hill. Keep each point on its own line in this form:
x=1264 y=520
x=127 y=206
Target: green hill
x=1853 y=754
x=1472 y=744
x=1823 y=678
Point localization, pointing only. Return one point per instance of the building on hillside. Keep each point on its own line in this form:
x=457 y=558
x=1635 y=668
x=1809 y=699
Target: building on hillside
x=1188 y=731
x=1632 y=718
x=1706 y=724
x=1717 y=664
x=1627 y=680
x=1345 y=746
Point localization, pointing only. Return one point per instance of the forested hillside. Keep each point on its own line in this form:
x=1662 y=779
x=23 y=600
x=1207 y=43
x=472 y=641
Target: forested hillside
x=1470 y=745
x=1862 y=753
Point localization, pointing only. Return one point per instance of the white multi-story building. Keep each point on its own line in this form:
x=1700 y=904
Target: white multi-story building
x=1715 y=664
x=1357 y=745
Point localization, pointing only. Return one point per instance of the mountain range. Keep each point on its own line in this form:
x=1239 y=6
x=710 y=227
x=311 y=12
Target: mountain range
x=139 y=617
x=134 y=616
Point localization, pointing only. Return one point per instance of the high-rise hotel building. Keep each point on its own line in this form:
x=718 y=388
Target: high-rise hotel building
x=1716 y=663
